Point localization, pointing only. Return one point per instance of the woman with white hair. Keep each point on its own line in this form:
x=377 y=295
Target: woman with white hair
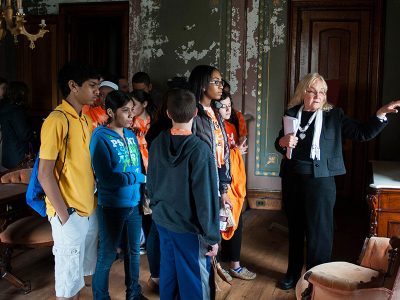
x=313 y=156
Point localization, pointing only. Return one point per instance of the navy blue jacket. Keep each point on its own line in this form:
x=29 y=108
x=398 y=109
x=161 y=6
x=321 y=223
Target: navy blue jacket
x=335 y=126
x=182 y=186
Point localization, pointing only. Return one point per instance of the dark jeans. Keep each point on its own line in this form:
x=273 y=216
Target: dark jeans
x=153 y=251
x=308 y=203
x=112 y=221
x=230 y=249
x=146 y=226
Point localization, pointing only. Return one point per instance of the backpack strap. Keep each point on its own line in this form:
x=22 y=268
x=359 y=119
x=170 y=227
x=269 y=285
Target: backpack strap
x=66 y=142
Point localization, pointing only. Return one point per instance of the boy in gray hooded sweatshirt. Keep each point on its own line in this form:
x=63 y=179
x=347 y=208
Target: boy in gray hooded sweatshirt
x=182 y=186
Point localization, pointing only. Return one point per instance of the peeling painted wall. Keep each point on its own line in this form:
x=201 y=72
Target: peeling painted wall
x=169 y=38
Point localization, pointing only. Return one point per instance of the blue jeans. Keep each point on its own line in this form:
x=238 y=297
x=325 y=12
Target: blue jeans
x=112 y=222
x=185 y=268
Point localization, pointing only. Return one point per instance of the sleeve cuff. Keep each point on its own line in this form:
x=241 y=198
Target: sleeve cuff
x=382 y=119
x=140 y=178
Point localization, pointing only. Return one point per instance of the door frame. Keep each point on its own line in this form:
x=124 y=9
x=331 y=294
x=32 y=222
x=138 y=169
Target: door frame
x=113 y=9
x=376 y=49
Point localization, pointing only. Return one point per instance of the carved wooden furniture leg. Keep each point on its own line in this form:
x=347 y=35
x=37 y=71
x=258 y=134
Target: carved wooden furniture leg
x=5 y=270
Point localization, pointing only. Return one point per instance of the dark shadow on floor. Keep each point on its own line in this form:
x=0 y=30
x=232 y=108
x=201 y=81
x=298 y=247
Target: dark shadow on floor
x=351 y=229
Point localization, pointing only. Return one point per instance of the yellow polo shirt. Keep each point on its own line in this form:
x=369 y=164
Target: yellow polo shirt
x=77 y=181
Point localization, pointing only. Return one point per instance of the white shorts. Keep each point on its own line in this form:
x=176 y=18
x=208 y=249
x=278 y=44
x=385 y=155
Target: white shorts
x=75 y=252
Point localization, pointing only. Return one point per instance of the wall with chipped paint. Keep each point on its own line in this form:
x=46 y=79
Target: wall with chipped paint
x=169 y=38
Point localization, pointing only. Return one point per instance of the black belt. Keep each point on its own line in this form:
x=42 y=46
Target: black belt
x=71 y=210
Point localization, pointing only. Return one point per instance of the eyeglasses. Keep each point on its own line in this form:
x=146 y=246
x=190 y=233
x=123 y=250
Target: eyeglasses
x=315 y=93
x=226 y=106
x=218 y=105
x=217 y=82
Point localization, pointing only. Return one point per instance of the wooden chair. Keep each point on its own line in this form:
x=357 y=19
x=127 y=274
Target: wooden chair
x=31 y=231
x=376 y=277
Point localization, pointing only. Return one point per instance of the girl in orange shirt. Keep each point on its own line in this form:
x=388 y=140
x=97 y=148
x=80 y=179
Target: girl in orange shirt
x=236 y=132
x=143 y=113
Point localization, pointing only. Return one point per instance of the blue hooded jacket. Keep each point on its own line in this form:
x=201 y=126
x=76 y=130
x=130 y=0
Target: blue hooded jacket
x=117 y=167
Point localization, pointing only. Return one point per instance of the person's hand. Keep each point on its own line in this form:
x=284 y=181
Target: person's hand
x=242 y=138
x=213 y=250
x=225 y=201
x=388 y=108
x=288 y=141
x=63 y=216
x=243 y=147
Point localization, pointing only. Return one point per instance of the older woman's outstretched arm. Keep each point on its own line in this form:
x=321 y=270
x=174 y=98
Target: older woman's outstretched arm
x=388 y=109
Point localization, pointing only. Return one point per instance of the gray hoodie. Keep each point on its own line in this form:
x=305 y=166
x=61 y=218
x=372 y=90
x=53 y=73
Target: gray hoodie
x=182 y=185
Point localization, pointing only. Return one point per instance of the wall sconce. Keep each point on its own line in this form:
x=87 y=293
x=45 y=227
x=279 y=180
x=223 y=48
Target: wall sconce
x=15 y=23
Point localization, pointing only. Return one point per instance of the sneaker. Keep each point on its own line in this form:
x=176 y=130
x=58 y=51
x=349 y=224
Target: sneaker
x=143 y=250
x=225 y=272
x=153 y=285
x=244 y=273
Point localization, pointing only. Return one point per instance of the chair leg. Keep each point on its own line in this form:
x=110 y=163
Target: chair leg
x=5 y=271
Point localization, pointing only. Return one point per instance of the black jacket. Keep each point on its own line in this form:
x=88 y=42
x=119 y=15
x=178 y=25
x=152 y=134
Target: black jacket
x=203 y=127
x=335 y=125
x=182 y=186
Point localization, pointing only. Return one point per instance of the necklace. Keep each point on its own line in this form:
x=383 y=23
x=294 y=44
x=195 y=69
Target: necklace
x=302 y=130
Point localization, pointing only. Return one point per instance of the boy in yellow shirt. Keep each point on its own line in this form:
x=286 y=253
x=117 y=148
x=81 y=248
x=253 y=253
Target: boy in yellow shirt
x=66 y=176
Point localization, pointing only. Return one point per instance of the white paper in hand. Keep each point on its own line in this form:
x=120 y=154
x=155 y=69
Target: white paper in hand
x=290 y=125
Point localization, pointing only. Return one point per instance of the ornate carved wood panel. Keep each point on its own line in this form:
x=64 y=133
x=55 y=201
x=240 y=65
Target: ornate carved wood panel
x=385 y=212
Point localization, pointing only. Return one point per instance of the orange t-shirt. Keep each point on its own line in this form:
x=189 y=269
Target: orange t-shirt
x=96 y=113
x=140 y=128
x=231 y=133
x=219 y=137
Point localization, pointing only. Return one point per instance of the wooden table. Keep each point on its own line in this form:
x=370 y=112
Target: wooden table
x=12 y=202
x=384 y=199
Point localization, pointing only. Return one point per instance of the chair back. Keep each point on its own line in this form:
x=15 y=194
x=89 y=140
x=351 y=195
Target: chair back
x=392 y=280
x=375 y=254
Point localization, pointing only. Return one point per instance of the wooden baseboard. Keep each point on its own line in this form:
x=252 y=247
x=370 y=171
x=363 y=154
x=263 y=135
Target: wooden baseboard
x=264 y=199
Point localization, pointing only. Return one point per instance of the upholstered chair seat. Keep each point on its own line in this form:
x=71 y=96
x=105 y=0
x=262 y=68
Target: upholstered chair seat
x=375 y=278
x=32 y=232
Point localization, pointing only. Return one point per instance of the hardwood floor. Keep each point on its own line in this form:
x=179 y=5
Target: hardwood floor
x=264 y=251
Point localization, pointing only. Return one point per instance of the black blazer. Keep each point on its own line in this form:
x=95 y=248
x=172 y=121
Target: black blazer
x=335 y=125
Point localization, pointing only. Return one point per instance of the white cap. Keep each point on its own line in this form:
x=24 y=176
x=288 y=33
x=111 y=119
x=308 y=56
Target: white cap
x=109 y=84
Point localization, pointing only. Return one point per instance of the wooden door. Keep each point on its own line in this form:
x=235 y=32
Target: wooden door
x=341 y=40
x=95 y=34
